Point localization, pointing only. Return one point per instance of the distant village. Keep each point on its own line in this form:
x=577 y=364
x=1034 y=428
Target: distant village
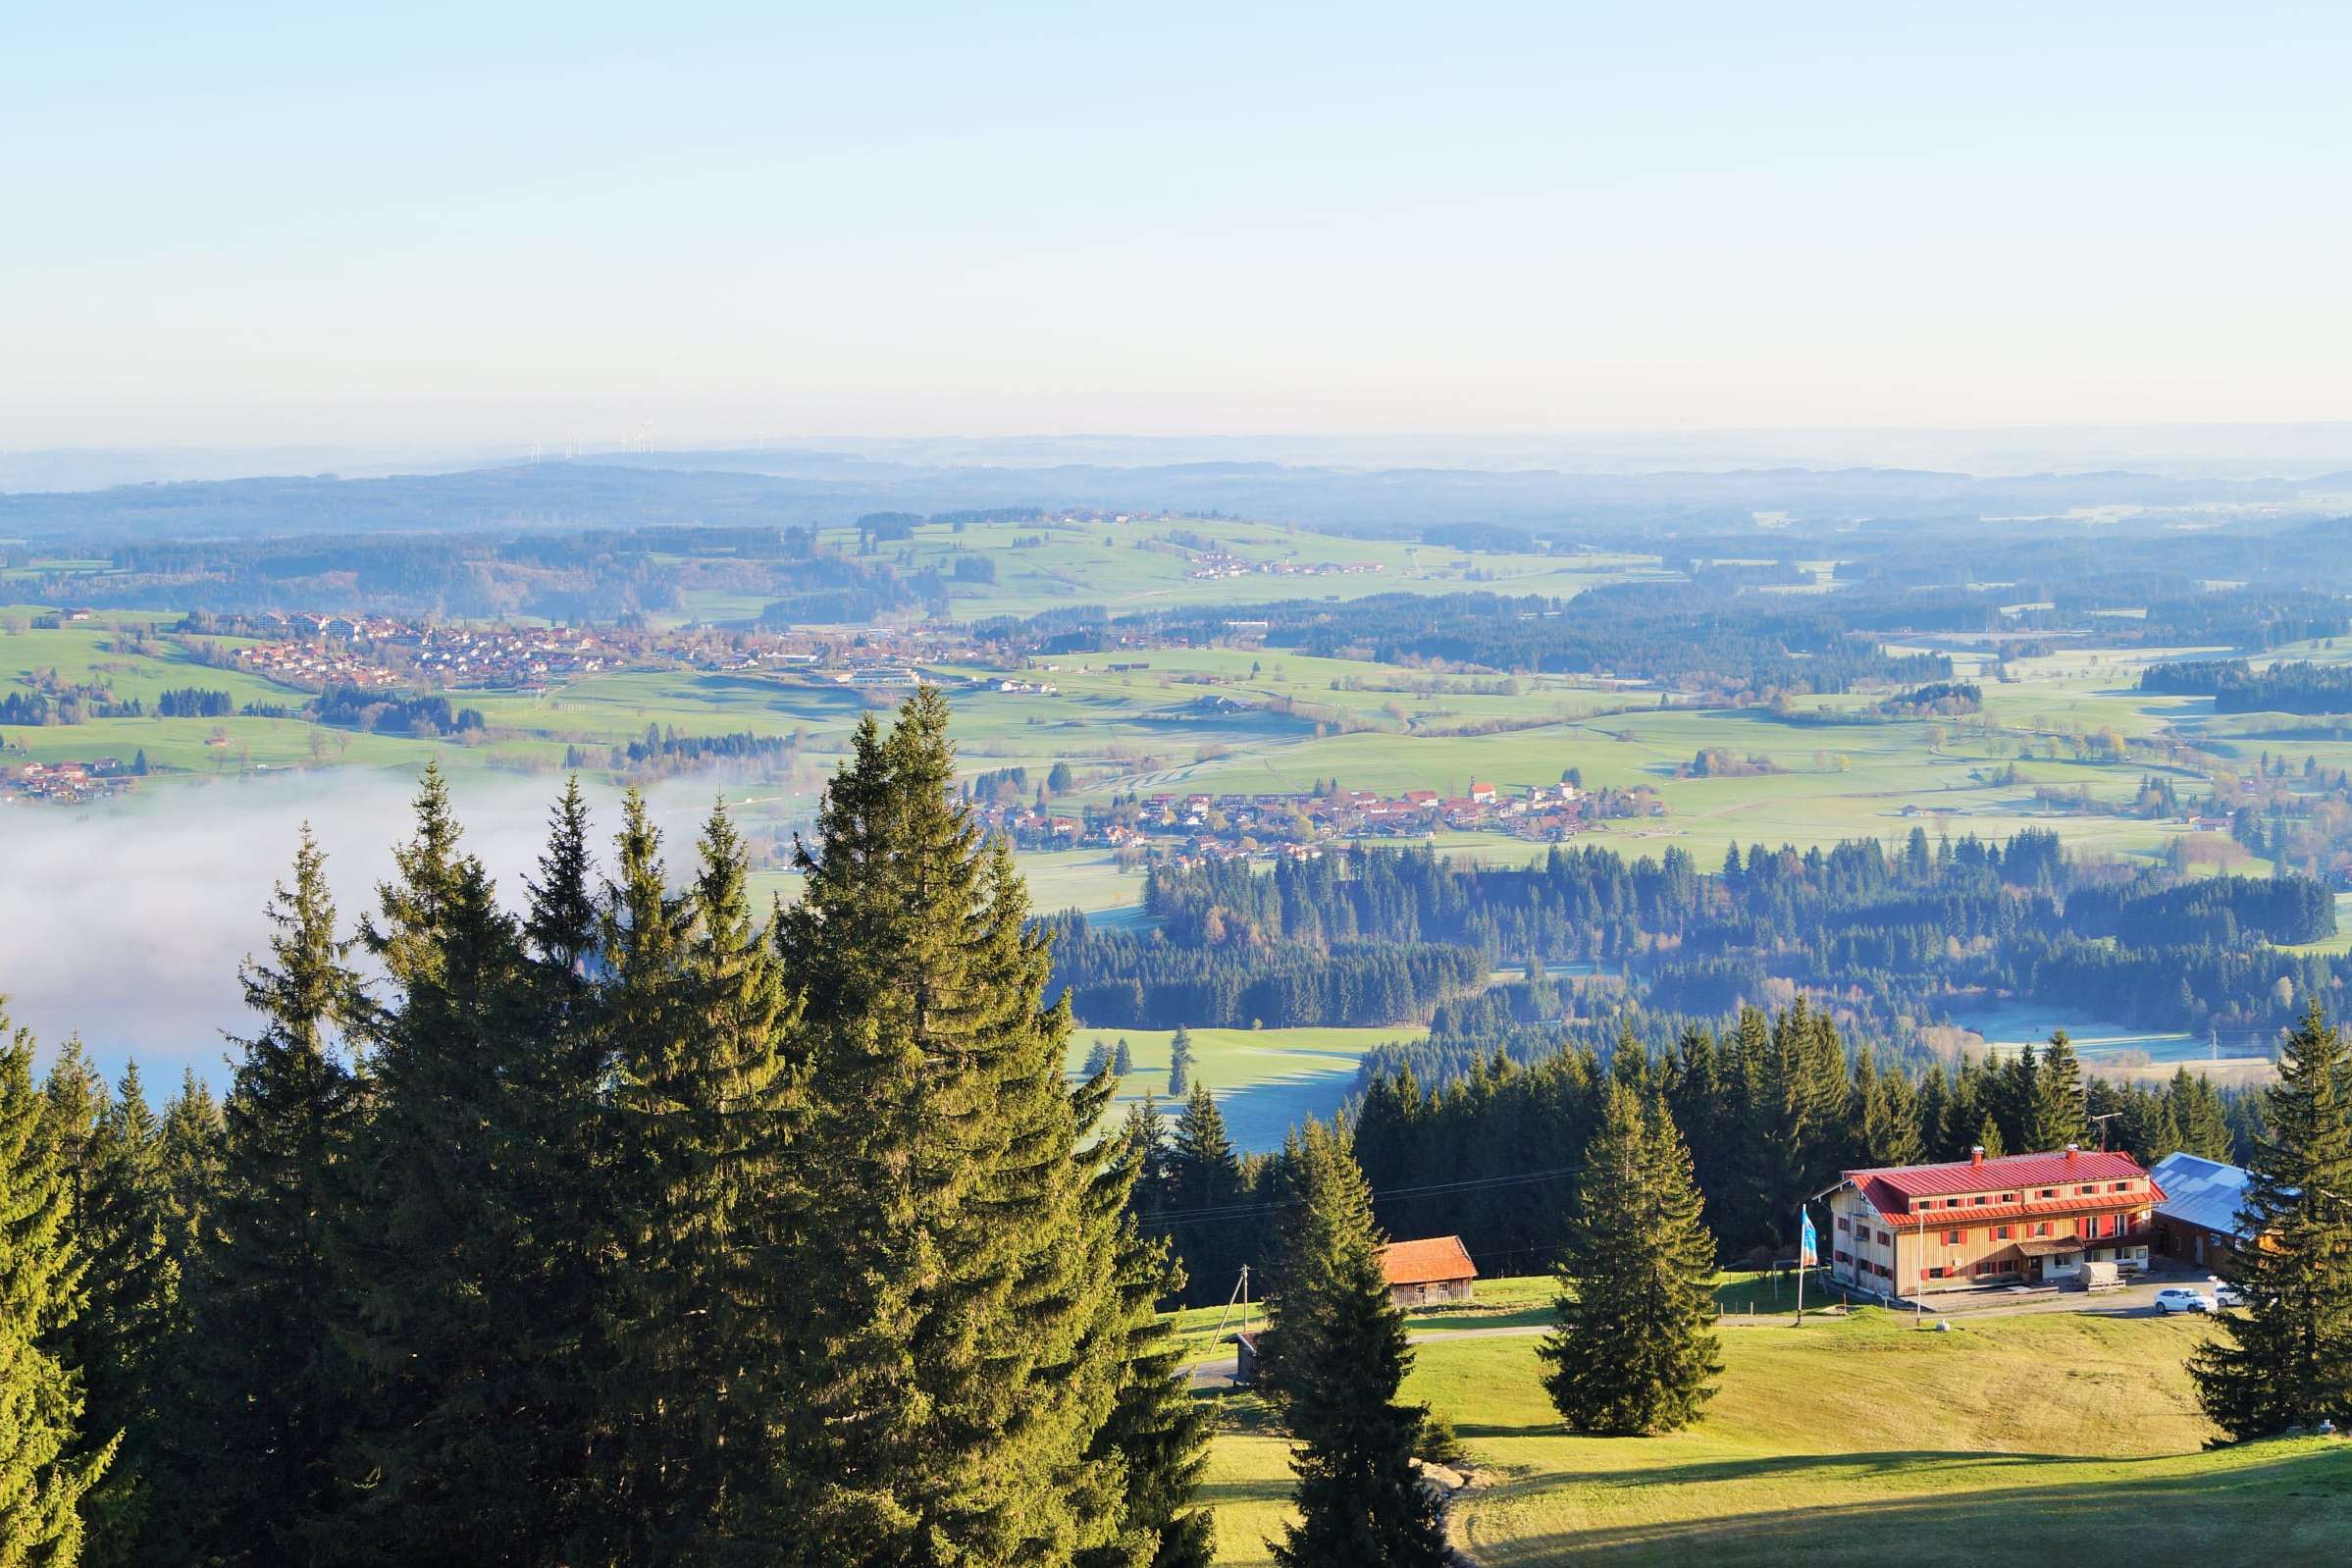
x=1192 y=828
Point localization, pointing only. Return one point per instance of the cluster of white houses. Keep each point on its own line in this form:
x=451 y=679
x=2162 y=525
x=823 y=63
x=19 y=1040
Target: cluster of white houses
x=2063 y=1215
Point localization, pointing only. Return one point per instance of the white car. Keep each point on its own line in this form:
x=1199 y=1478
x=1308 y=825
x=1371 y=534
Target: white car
x=2181 y=1298
x=2227 y=1296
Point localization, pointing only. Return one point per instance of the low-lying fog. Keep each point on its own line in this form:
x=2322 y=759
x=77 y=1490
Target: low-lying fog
x=126 y=923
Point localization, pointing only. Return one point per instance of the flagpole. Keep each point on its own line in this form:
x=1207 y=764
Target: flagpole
x=1802 y=1218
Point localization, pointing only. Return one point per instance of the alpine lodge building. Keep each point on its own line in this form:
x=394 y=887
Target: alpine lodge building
x=2021 y=1219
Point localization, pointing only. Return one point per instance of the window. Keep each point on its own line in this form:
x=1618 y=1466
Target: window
x=1979 y=1198
x=2085 y=1190
x=1952 y=1238
x=2047 y=1193
x=2001 y=1232
x=1845 y=1257
x=2042 y=1228
x=1845 y=1224
x=1885 y=1240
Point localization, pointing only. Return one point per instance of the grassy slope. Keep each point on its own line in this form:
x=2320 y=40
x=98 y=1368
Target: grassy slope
x=2056 y=1437
x=1266 y=1080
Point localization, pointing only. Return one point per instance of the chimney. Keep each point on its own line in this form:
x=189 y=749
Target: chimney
x=2074 y=1149
x=1976 y=1155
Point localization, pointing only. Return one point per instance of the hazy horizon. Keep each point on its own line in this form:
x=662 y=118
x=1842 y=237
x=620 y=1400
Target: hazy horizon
x=2293 y=450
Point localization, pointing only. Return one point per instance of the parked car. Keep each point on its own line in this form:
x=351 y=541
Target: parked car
x=2227 y=1296
x=2181 y=1298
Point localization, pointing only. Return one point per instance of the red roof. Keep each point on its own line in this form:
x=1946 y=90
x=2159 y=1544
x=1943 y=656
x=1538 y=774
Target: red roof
x=1429 y=1262
x=1891 y=1189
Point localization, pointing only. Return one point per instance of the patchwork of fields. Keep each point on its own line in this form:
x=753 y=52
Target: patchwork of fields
x=1245 y=722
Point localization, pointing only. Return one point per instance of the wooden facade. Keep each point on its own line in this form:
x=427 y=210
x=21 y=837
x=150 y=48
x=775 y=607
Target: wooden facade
x=2028 y=1219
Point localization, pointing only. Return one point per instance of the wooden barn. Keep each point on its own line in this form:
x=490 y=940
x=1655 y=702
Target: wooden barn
x=1422 y=1273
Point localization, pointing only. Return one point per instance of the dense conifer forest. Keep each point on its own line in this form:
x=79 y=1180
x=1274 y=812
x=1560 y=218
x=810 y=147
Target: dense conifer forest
x=1888 y=941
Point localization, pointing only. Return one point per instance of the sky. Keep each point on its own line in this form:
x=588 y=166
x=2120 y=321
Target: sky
x=506 y=224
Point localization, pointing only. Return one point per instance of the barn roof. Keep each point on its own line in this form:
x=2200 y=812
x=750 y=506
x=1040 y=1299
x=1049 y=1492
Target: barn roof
x=1427 y=1262
x=2202 y=1192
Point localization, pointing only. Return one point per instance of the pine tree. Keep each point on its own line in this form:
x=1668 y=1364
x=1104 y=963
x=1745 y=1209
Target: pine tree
x=1988 y=1137
x=706 y=1103
x=1342 y=1359
x=2286 y=1358
x=1633 y=1352
x=193 y=1160
x=1157 y=1432
x=1889 y=1114
x=1204 y=1178
x=270 y=1387
x=437 y=1249
x=1180 y=1063
x=2014 y=1098
x=1098 y=1060
x=2059 y=1114
x=44 y=1468
x=557 y=1137
x=1122 y=1058
x=132 y=1317
x=960 y=1303
x=2202 y=1122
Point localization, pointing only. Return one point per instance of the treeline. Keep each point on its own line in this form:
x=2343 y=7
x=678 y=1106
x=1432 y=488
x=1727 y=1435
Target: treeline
x=580 y=1235
x=1937 y=699
x=578 y=576
x=192 y=701
x=1893 y=939
x=1772 y=1108
x=666 y=745
x=1120 y=979
x=2237 y=688
x=1679 y=633
x=350 y=707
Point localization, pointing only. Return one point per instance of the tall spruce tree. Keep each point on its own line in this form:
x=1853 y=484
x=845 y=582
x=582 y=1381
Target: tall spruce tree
x=1156 y=1432
x=2200 y=1117
x=133 y=1318
x=437 y=1249
x=711 y=1215
x=1889 y=1114
x=2286 y=1358
x=44 y=1467
x=1633 y=1352
x=270 y=1387
x=2058 y=1113
x=1205 y=1175
x=1341 y=1361
x=960 y=1311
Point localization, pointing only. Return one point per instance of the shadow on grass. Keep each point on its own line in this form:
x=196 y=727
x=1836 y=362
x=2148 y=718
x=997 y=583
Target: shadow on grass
x=2296 y=1508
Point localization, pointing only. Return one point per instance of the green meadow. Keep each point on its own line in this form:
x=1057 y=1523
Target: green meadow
x=2058 y=1437
x=1266 y=1081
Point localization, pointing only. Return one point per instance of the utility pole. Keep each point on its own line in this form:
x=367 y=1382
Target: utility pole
x=2100 y=1122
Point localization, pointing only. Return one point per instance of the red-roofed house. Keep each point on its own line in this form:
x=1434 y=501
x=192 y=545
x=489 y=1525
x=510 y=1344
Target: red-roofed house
x=2022 y=1219
x=1422 y=1272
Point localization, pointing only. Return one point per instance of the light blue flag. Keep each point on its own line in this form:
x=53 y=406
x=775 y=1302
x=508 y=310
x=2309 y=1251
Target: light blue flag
x=1808 y=1245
